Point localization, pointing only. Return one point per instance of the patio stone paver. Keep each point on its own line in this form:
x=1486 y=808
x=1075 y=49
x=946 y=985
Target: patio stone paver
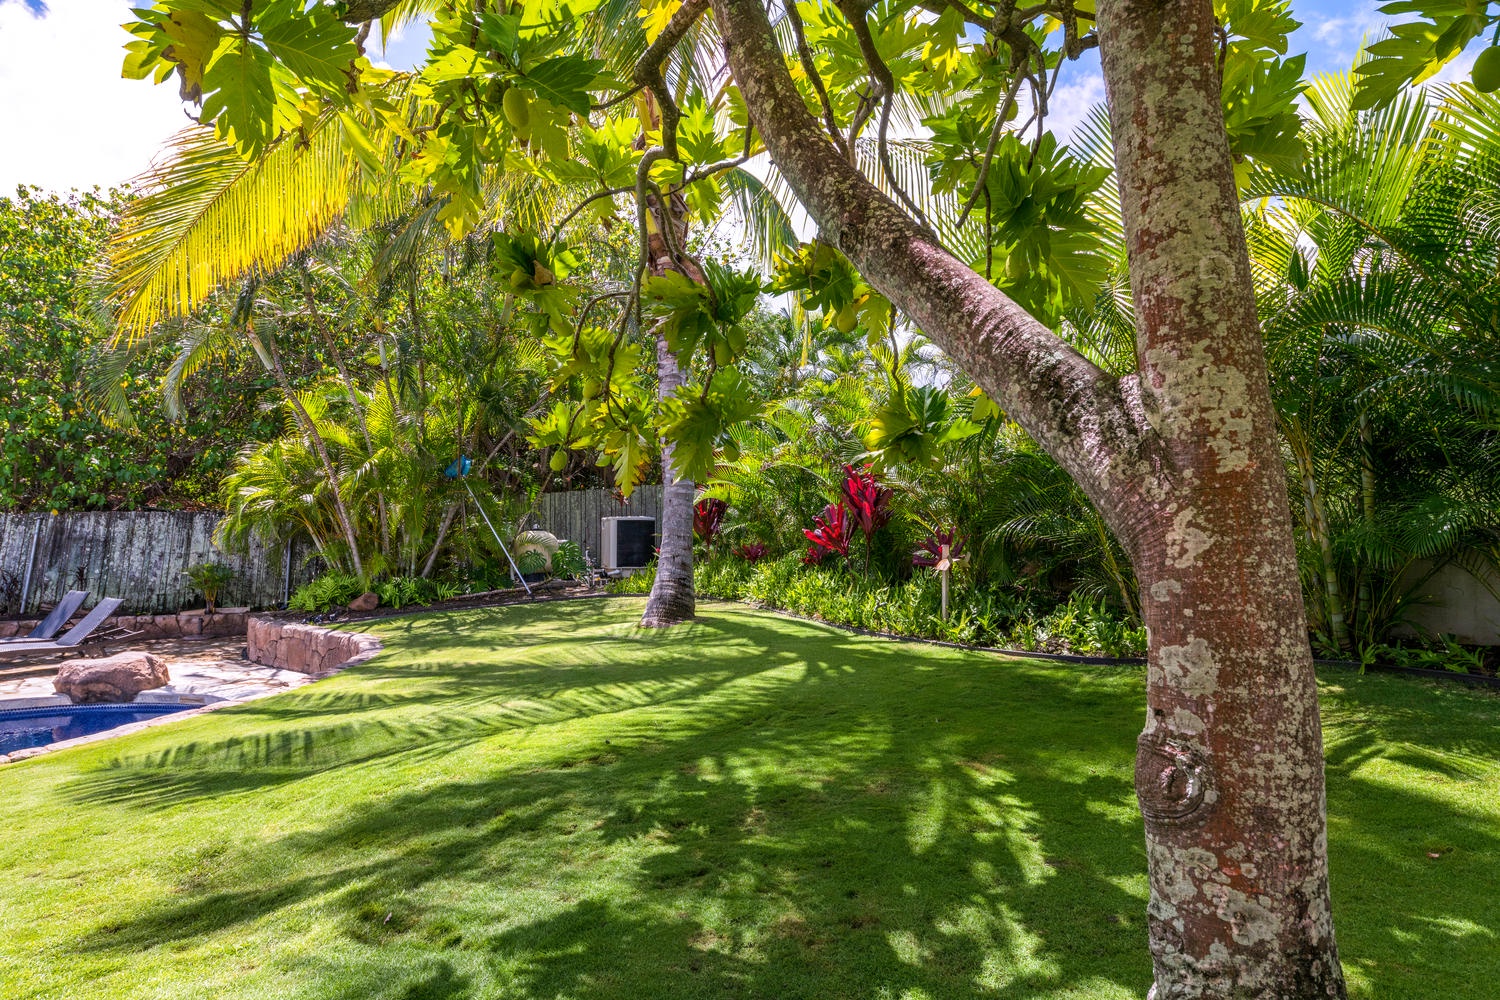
x=213 y=667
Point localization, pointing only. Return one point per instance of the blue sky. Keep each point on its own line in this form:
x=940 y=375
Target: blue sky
x=70 y=121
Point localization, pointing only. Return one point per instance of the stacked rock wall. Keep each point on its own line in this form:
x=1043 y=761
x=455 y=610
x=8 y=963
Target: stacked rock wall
x=307 y=649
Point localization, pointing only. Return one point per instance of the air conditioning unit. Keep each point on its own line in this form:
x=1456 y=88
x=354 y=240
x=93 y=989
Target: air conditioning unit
x=626 y=542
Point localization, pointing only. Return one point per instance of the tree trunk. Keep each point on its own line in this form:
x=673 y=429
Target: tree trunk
x=1317 y=527
x=350 y=387
x=1362 y=598
x=346 y=524
x=1181 y=460
x=1229 y=771
x=671 y=601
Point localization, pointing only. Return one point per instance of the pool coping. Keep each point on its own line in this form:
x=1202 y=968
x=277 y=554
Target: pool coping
x=205 y=703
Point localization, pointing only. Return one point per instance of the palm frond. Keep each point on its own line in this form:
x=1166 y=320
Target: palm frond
x=208 y=217
x=766 y=220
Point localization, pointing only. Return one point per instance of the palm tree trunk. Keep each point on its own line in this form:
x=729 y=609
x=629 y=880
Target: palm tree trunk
x=437 y=546
x=672 y=601
x=353 y=391
x=268 y=348
x=1362 y=596
x=1322 y=536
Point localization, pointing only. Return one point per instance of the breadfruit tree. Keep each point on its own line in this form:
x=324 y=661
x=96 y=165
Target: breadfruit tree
x=657 y=105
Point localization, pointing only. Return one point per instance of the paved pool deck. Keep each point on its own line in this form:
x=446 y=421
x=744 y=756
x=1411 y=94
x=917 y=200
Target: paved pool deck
x=212 y=669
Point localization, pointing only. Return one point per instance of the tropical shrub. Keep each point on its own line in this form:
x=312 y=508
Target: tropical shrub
x=911 y=607
x=61 y=450
x=401 y=591
x=568 y=562
x=830 y=534
x=332 y=589
x=708 y=520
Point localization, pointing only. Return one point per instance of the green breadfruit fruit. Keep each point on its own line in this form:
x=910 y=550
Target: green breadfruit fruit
x=846 y=319
x=1486 y=72
x=517 y=109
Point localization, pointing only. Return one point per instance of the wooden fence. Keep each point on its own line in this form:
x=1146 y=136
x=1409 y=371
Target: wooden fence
x=135 y=555
x=140 y=556
x=576 y=515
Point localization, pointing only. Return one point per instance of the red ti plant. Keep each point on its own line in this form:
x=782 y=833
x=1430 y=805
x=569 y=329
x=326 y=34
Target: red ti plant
x=869 y=503
x=708 y=519
x=752 y=553
x=830 y=533
x=931 y=550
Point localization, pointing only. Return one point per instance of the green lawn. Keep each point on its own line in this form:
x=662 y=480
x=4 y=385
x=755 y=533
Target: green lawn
x=548 y=802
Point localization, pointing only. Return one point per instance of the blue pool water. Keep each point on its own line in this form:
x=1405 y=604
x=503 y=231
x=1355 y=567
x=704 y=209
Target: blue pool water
x=21 y=728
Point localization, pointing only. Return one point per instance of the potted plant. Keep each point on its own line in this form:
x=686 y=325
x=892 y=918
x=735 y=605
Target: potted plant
x=209 y=578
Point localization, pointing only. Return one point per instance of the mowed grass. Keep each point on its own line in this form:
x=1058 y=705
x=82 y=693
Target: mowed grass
x=549 y=802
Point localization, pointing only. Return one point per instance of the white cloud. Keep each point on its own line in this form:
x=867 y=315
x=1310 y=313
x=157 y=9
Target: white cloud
x=1072 y=101
x=67 y=117
x=1361 y=22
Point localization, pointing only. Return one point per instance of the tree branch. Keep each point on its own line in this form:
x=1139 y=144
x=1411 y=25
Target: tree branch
x=1083 y=417
x=358 y=11
x=805 y=56
x=648 y=69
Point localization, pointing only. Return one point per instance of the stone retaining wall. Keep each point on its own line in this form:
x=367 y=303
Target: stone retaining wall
x=221 y=623
x=306 y=649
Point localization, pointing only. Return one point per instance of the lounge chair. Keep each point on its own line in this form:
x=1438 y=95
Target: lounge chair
x=70 y=639
x=53 y=623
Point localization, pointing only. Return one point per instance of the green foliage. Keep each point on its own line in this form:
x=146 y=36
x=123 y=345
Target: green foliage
x=912 y=608
x=253 y=69
x=1443 y=652
x=331 y=590
x=1418 y=49
x=636 y=583
x=697 y=420
x=568 y=562
x=402 y=591
x=826 y=280
x=704 y=317
x=58 y=450
x=210 y=578
x=531 y=562
x=1040 y=243
x=1375 y=269
x=1261 y=86
x=916 y=426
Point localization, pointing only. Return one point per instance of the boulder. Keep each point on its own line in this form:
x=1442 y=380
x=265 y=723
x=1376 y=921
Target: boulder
x=368 y=601
x=111 y=678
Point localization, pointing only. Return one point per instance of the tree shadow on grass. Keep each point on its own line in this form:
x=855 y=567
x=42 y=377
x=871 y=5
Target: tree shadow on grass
x=342 y=722
x=796 y=814
x=809 y=821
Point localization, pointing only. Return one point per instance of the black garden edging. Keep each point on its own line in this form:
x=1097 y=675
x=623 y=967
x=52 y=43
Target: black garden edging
x=1475 y=680
x=1478 y=680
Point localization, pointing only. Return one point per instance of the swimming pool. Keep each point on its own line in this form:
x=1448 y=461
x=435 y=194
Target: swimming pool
x=22 y=728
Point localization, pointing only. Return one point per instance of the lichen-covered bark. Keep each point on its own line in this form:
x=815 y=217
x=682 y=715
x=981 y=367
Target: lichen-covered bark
x=1239 y=881
x=1181 y=461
